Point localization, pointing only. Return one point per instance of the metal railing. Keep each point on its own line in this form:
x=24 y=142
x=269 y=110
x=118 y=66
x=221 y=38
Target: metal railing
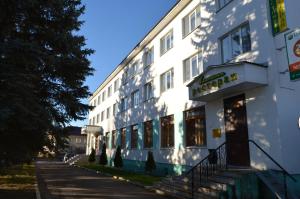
x=216 y=160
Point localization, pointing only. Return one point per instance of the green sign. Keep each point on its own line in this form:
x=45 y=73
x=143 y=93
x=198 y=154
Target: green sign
x=214 y=82
x=278 y=16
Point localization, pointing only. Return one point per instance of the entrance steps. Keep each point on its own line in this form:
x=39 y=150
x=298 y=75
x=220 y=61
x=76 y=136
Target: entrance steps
x=220 y=185
x=274 y=181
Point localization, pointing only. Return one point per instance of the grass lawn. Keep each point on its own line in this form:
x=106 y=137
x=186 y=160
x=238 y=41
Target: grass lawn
x=134 y=177
x=17 y=182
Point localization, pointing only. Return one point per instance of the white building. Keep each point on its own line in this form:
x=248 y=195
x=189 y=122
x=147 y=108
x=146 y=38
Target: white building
x=236 y=66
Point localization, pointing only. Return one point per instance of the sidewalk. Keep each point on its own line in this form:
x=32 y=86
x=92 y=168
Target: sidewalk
x=59 y=181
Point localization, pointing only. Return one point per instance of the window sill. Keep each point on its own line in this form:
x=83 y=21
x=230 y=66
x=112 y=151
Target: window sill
x=219 y=9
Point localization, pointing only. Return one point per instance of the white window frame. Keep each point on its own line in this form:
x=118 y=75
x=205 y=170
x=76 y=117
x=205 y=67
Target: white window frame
x=189 y=63
x=149 y=57
x=99 y=99
x=187 y=20
x=164 y=80
x=229 y=36
x=135 y=98
x=148 y=91
x=164 y=42
x=102 y=115
x=109 y=91
x=115 y=109
x=103 y=96
x=116 y=85
x=124 y=104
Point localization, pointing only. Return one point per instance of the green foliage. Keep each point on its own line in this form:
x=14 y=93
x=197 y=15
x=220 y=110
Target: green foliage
x=118 y=162
x=103 y=157
x=43 y=66
x=150 y=163
x=92 y=156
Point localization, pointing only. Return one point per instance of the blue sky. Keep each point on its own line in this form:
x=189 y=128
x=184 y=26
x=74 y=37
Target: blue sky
x=112 y=28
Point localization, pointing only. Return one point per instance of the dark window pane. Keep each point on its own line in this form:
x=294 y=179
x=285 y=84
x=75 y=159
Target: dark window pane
x=148 y=134
x=167 y=131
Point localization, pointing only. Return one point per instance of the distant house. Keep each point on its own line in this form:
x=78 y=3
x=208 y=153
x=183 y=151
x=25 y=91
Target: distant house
x=77 y=141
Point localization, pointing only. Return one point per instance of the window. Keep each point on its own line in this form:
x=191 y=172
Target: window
x=90 y=122
x=102 y=116
x=95 y=102
x=134 y=67
x=125 y=76
x=109 y=90
x=191 y=21
x=167 y=131
x=195 y=127
x=93 y=120
x=166 y=80
x=98 y=118
x=107 y=112
x=106 y=138
x=166 y=43
x=115 y=109
x=124 y=104
x=148 y=134
x=103 y=96
x=123 y=138
x=99 y=99
x=192 y=67
x=134 y=136
x=236 y=43
x=148 y=57
x=135 y=98
x=113 y=139
x=222 y=3
x=148 y=91
x=116 y=85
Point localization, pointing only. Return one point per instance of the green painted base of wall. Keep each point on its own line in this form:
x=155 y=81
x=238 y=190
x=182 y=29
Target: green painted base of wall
x=162 y=169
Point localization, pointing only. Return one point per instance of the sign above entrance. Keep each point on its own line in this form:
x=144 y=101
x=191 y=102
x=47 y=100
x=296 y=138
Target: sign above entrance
x=292 y=40
x=220 y=80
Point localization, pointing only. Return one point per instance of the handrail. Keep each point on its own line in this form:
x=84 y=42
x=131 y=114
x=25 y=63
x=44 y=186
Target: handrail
x=206 y=157
x=274 y=161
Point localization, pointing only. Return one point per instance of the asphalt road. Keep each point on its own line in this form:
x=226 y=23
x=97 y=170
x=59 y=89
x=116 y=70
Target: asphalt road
x=59 y=181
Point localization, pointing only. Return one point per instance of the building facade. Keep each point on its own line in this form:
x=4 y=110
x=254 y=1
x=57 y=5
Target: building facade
x=208 y=72
x=77 y=141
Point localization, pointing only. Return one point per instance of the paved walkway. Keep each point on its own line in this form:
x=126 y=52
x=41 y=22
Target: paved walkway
x=59 y=181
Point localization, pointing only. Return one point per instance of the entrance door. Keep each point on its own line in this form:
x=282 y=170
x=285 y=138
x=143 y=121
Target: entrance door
x=236 y=130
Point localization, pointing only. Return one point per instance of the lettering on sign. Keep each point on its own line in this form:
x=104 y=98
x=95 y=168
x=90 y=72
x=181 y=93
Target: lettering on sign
x=214 y=82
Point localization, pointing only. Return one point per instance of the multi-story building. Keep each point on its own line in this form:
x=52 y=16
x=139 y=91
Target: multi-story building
x=208 y=72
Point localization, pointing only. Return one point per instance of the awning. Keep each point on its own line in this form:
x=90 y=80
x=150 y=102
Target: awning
x=221 y=80
x=92 y=129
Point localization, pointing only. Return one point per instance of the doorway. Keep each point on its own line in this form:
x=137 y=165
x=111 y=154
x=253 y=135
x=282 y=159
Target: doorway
x=236 y=130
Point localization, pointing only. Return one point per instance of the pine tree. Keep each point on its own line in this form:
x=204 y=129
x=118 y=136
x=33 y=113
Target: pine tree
x=43 y=66
x=118 y=162
x=103 y=157
x=92 y=156
x=150 y=163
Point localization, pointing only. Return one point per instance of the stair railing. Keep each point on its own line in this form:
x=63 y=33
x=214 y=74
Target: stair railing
x=217 y=160
x=284 y=172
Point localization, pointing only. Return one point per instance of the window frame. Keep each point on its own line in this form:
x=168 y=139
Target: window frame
x=146 y=86
x=134 y=135
x=229 y=35
x=109 y=91
x=124 y=104
x=148 y=51
x=107 y=112
x=123 y=138
x=199 y=62
x=145 y=142
x=135 y=98
x=164 y=43
x=219 y=7
x=163 y=77
x=116 y=85
x=170 y=144
x=196 y=11
x=186 y=135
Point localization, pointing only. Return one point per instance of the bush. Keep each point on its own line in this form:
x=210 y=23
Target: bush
x=103 y=157
x=150 y=163
x=118 y=162
x=92 y=155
